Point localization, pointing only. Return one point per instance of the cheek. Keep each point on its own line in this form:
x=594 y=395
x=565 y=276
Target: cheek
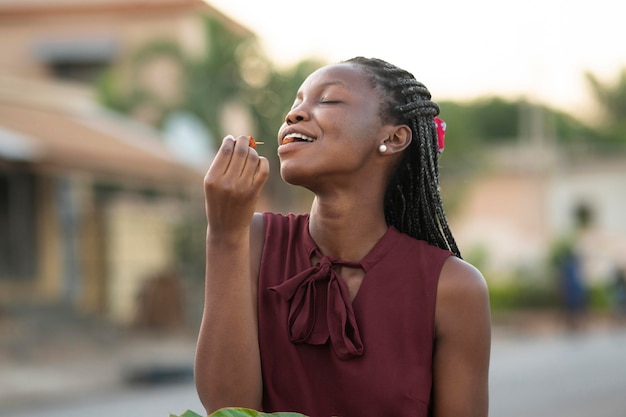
x=363 y=133
x=349 y=130
x=365 y=124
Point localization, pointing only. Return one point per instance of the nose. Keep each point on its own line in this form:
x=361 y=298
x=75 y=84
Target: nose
x=297 y=114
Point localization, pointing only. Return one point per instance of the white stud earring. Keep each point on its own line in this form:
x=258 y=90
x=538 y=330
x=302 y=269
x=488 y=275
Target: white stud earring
x=382 y=148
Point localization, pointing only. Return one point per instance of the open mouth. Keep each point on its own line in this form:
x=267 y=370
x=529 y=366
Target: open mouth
x=296 y=137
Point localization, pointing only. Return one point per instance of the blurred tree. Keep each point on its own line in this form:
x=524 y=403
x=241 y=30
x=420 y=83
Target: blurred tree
x=474 y=126
x=612 y=99
x=232 y=69
x=161 y=80
x=203 y=85
x=269 y=105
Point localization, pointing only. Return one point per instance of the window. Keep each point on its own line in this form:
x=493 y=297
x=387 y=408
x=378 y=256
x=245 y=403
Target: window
x=18 y=253
x=76 y=59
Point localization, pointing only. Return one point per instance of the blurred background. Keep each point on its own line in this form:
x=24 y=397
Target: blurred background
x=111 y=110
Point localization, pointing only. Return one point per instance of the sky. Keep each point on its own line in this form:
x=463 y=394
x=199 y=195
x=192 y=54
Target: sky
x=460 y=49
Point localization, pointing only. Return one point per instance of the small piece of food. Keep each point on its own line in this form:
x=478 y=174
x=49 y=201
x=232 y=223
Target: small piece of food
x=297 y=137
x=253 y=143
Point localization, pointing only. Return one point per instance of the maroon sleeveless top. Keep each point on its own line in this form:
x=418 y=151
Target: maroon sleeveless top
x=323 y=355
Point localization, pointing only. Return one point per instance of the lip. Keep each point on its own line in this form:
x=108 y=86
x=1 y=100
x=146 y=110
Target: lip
x=290 y=131
x=287 y=148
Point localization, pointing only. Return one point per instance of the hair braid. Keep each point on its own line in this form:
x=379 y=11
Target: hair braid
x=413 y=201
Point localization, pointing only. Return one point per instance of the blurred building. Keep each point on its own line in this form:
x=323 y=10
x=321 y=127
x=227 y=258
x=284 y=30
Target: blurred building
x=75 y=39
x=89 y=199
x=534 y=195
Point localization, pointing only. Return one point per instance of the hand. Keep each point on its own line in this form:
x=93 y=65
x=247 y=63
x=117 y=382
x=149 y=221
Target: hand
x=233 y=184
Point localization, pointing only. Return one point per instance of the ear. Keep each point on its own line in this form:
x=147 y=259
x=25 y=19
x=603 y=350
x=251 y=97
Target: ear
x=398 y=138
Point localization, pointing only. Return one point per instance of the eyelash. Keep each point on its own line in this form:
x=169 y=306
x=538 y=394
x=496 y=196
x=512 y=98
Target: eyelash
x=321 y=102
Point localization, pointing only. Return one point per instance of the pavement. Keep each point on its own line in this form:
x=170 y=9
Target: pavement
x=47 y=359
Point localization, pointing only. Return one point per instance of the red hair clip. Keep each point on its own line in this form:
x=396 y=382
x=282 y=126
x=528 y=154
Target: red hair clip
x=441 y=133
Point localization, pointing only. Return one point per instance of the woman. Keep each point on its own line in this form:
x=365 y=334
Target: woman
x=362 y=307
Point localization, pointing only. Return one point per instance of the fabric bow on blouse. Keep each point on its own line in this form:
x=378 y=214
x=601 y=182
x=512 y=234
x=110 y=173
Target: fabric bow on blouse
x=320 y=308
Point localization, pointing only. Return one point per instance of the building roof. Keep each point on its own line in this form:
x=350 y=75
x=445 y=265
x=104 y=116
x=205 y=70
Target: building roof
x=57 y=126
x=10 y=9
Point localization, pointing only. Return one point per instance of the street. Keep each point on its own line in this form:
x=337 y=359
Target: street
x=131 y=402
x=575 y=375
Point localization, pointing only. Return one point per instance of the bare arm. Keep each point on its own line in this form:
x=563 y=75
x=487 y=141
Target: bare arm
x=227 y=364
x=463 y=343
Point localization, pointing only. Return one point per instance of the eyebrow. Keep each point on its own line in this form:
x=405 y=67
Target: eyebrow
x=331 y=83
x=328 y=84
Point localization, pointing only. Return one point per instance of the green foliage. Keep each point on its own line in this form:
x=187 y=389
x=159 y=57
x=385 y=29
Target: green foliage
x=189 y=245
x=232 y=69
x=109 y=94
x=216 y=78
x=612 y=100
x=207 y=82
x=475 y=126
x=268 y=106
x=520 y=295
x=478 y=256
x=488 y=120
x=187 y=413
x=491 y=120
x=611 y=97
x=599 y=297
x=463 y=144
x=496 y=119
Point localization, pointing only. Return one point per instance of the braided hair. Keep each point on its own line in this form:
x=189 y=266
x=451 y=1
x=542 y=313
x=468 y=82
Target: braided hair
x=413 y=202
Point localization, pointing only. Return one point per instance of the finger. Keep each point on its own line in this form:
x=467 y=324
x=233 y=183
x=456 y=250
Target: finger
x=262 y=172
x=240 y=156
x=251 y=165
x=223 y=156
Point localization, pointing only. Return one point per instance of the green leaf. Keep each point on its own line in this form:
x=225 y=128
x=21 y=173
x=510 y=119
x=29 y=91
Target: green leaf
x=240 y=412
x=234 y=412
x=187 y=413
x=246 y=412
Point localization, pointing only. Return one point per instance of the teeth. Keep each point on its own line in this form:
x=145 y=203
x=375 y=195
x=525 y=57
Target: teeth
x=293 y=136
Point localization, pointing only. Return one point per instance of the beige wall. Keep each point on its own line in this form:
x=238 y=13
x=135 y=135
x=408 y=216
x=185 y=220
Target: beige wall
x=50 y=268
x=504 y=214
x=140 y=245
x=515 y=218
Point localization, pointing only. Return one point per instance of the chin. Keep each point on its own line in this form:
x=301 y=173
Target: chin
x=294 y=176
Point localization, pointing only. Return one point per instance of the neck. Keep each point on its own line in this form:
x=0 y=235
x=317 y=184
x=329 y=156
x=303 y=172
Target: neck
x=347 y=228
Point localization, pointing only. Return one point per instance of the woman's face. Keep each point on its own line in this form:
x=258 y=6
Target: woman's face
x=334 y=128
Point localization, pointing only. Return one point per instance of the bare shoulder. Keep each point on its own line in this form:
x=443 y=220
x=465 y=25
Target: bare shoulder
x=462 y=294
x=462 y=342
x=461 y=278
